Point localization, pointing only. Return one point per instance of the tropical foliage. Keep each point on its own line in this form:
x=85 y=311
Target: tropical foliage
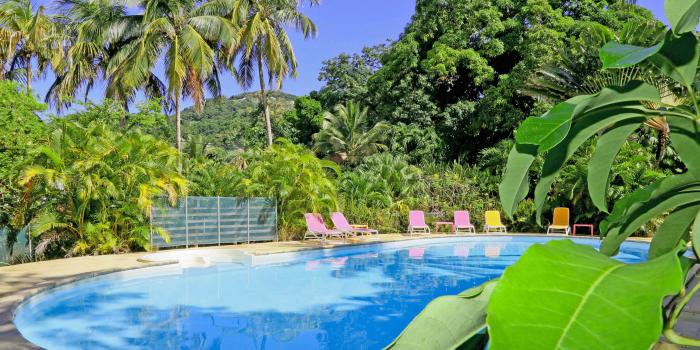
x=99 y=186
x=22 y=130
x=183 y=34
x=299 y=181
x=346 y=137
x=28 y=35
x=569 y=311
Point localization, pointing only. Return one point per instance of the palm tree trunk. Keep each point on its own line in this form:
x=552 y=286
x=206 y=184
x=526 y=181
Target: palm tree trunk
x=661 y=147
x=29 y=74
x=122 y=119
x=178 y=131
x=263 y=100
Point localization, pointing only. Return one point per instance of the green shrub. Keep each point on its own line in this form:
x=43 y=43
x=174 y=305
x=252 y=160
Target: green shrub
x=96 y=187
x=299 y=181
x=21 y=130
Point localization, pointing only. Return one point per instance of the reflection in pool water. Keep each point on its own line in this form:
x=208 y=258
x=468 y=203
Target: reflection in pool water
x=358 y=300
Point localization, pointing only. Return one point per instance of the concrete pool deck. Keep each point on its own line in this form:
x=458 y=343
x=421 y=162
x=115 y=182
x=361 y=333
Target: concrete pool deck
x=18 y=282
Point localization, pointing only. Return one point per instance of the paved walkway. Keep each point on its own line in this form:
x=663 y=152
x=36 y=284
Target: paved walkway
x=18 y=282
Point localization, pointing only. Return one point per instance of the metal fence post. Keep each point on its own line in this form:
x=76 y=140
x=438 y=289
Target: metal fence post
x=29 y=238
x=218 y=216
x=277 y=233
x=248 y=220
x=187 y=225
x=150 y=228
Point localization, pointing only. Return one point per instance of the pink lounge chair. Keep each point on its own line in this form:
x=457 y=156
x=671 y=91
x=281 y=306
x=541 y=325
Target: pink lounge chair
x=416 y=253
x=342 y=224
x=461 y=251
x=339 y=262
x=312 y=265
x=462 y=222
x=416 y=222
x=315 y=228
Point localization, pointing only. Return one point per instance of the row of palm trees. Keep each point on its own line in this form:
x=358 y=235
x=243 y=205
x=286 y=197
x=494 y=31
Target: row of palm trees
x=172 y=49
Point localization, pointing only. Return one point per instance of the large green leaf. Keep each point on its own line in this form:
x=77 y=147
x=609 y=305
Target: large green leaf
x=561 y=295
x=682 y=15
x=586 y=127
x=640 y=206
x=515 y=184
x=448 y=322
x=615 y=55
x=609 y=106
x=695 y=238
x=674 y=230
x=678 y=57
x=608 y=146
x=550 y=129
x=685 y=139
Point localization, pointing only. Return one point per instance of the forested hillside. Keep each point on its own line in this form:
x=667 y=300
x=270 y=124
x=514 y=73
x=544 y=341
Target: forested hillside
x=235 y=122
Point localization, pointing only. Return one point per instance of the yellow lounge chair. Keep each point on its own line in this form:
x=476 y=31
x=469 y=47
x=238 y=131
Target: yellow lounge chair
x=493 y=222
x=560 y=221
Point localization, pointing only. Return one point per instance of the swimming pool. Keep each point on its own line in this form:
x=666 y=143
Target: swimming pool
x=348 y=298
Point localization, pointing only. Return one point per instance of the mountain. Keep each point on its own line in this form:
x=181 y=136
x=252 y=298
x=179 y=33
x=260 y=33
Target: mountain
x=235 y=122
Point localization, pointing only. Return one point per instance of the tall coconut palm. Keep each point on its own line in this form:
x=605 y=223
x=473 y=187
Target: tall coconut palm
x=264 y=44
x=97 y=29
x=185 y=35
x=346 y=135
x=28 y=34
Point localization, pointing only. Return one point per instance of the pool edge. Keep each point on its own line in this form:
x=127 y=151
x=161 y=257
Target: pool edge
x=12 y=339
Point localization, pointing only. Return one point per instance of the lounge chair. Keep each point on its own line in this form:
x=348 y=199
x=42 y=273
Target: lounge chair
x=315 y=228
x=416 y=253
x=342 y=224
x=416 y=222
x=560 y=221
x=493 y=222
x=462 y=222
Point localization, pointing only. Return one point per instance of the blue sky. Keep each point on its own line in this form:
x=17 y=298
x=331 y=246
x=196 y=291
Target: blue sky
x=344 y=26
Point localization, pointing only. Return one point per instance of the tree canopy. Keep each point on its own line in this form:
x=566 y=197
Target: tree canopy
x=460 y=68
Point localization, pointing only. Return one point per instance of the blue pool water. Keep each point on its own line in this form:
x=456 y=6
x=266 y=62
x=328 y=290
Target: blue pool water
x=359 y=298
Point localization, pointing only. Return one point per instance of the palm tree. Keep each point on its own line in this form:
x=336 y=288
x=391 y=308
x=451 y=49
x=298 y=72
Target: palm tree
x=28 y=34
x=346 y=136
x=366 y=187
x=264 y=44
x=185 y=35
x=97 y=29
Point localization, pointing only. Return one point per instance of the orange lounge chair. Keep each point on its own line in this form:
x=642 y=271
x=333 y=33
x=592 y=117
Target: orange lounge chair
x=560 y=221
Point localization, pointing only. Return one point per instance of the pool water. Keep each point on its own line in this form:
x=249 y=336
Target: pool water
x=357 y=298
